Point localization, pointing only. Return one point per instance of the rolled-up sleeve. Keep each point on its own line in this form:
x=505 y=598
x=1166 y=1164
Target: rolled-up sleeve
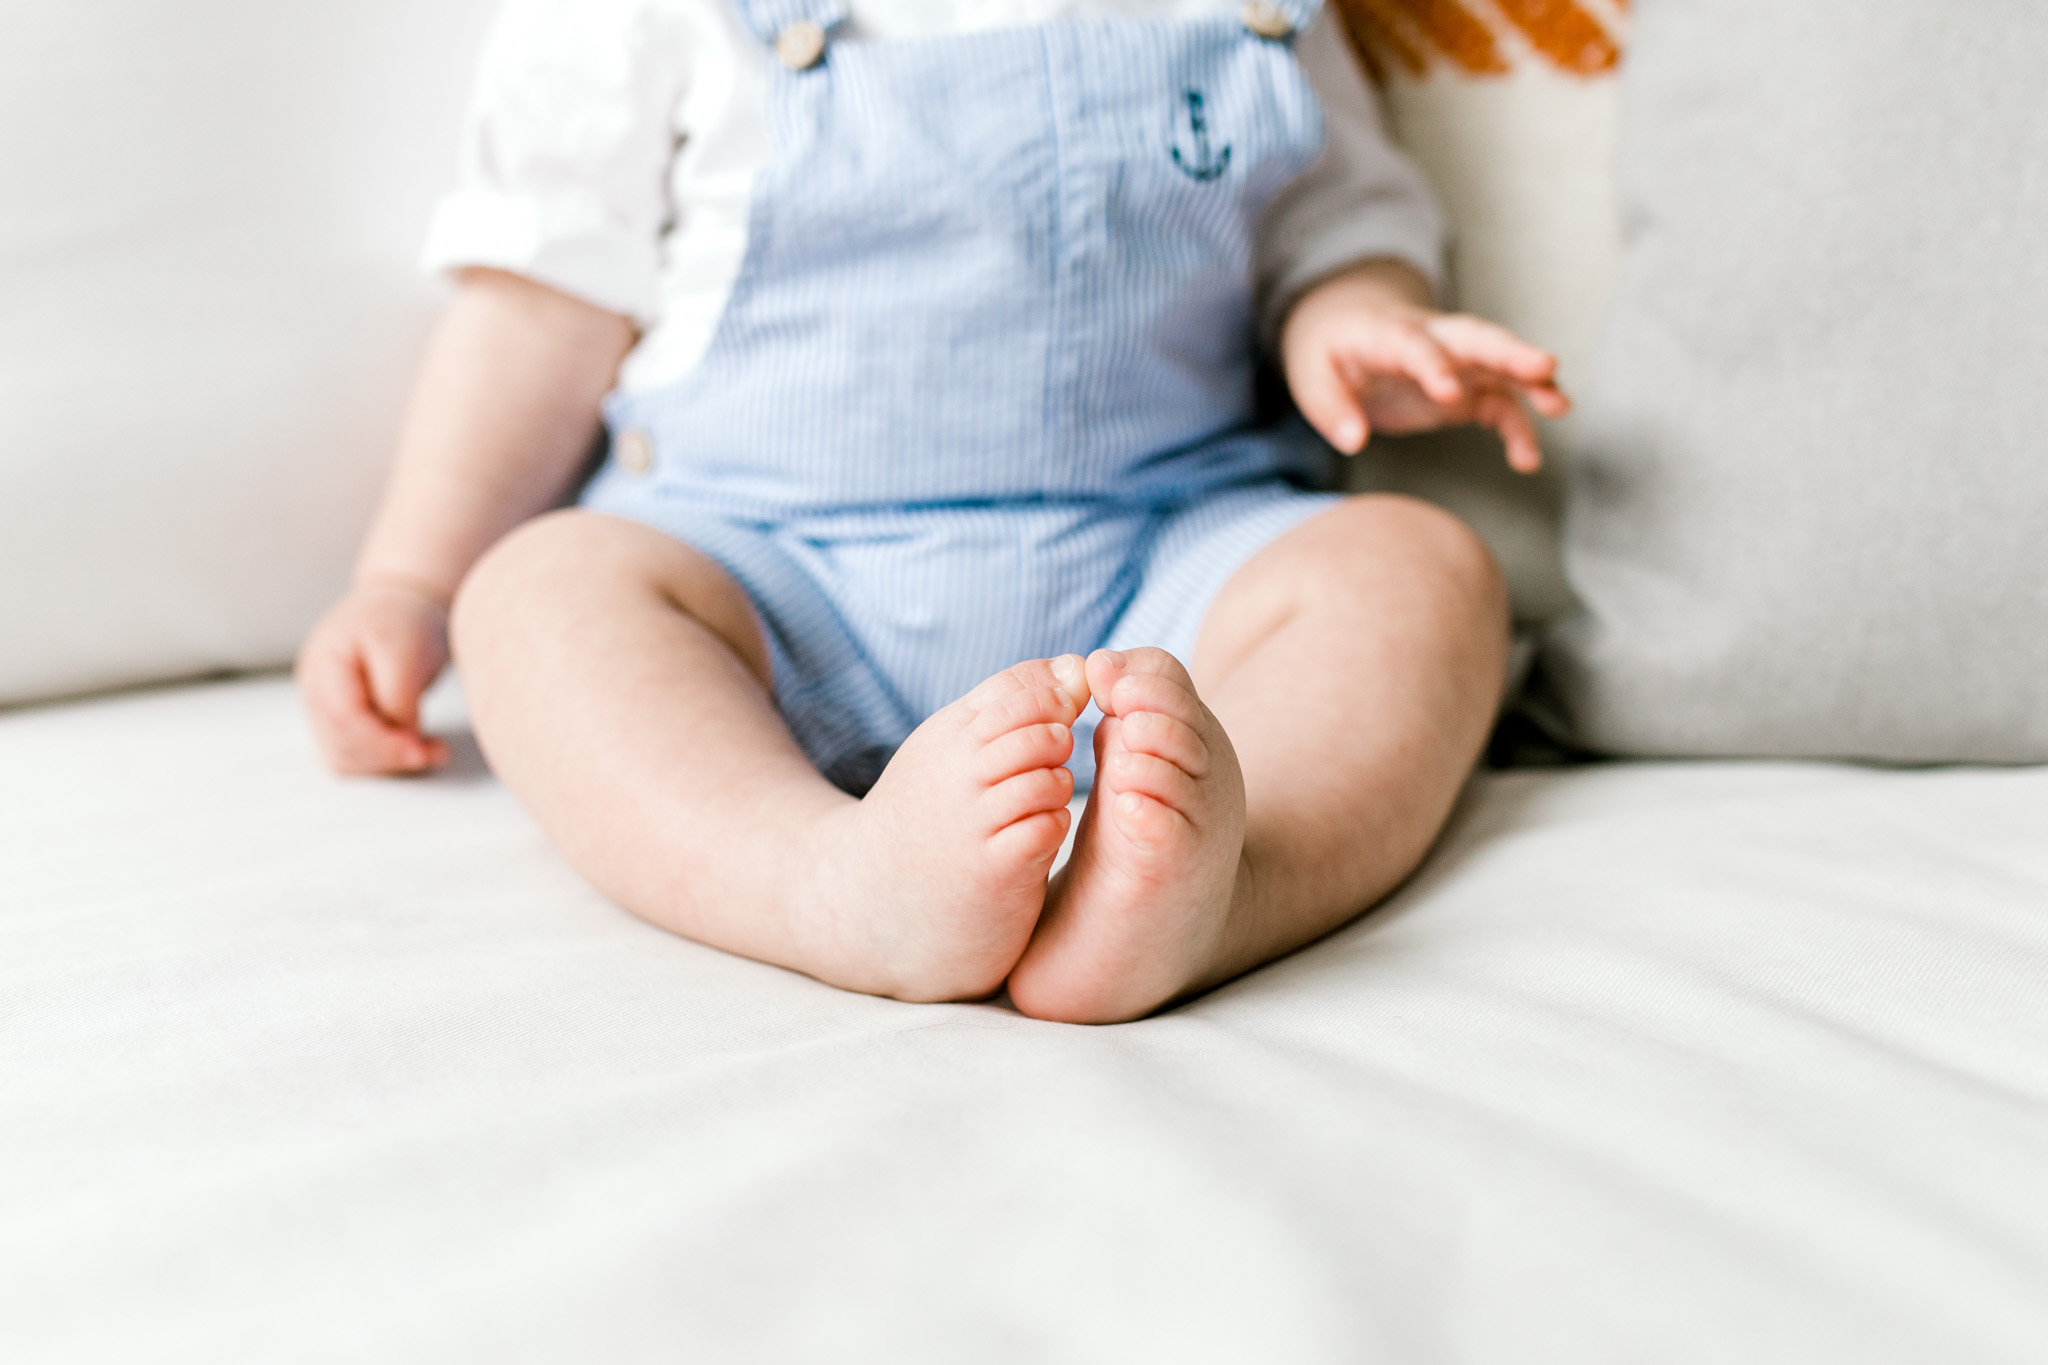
x=1362 y=198
x=566 y=153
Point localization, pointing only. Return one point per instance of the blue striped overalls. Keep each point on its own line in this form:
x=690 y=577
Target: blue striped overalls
x=983 y=390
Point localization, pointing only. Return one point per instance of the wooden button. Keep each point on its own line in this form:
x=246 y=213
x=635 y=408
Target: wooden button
x=634 y=451
x=1267 y=19
x=800 y=45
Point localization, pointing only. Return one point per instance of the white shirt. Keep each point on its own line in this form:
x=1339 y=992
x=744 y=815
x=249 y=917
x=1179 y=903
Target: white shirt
x=612 y=145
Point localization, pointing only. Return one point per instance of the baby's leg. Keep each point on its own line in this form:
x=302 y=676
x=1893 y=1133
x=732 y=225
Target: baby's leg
x=1341 y=689
x=616 y=680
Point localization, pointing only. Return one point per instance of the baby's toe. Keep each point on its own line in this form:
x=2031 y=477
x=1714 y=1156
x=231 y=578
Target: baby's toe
x=1033 y=840
x=1138 y=692
x=1147 y=824
x=1168 y=737
x=1036 y=792
x=1128 y=771
x=1124 y=682
x=1066 y=677
x=1011 y=711
x=1149 y=659
x=1109 y=668
x=1046 y=745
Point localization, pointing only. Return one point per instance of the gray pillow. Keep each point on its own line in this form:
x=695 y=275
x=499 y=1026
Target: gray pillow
x=1809 y=514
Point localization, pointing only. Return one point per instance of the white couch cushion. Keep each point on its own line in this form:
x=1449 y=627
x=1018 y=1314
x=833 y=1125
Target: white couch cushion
x=1651 y=1063
x=207 y=236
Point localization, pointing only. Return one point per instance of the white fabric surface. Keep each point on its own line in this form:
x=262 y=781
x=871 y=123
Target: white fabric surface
x=612 y=148
x=210 y=214
x=1655 y=1062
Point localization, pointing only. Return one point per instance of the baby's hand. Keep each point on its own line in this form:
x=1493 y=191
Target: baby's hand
x=362 y=672
x=1362 y=355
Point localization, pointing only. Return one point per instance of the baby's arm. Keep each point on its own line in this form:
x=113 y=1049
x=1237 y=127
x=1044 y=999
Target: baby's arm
x=1345 y=258
x=502 y=417
x=1364 y=350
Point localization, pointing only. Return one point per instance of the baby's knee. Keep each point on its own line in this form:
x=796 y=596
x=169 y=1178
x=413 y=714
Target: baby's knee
x=1466 y=561
x=538 y=576
x=1367 y=544
x=1450 y=560
x=567 y=568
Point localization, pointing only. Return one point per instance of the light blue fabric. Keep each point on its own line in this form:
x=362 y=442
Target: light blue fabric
x=983 y=391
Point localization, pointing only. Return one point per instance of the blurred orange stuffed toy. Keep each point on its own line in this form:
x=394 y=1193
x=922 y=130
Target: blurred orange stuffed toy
x=1482 y=37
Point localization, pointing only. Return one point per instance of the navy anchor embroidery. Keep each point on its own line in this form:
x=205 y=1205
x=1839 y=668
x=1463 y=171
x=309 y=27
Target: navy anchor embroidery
x=1205 y=164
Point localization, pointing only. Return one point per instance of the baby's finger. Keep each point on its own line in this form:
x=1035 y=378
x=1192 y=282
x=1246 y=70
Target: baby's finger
x=1503 y=411
x=1330 y=405
x=397 y=672
x=1547 y=399
x=398 y=669
x=1430 y=366
x=1501 y=355
x=363 y=743
x=363 y=746
x=1477 y=342
x=352 y=736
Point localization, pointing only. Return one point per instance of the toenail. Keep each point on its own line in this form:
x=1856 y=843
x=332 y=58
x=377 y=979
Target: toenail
x=1115 y=657
x=1140 y=719
x=1072 y=673
x=1130 y=803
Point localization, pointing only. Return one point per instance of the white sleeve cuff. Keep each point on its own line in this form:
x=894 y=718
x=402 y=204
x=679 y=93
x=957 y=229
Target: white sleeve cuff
x=553 y=244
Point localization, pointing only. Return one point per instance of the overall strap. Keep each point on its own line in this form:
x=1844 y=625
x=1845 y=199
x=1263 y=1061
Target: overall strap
x=1278 y=20
x=770 y=19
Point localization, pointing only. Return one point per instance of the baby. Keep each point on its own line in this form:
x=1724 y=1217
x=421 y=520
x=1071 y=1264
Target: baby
x=925 y=335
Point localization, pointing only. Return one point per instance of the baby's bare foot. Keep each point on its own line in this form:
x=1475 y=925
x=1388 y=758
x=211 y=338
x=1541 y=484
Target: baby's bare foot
x=1143 y=902
x=934 y=881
